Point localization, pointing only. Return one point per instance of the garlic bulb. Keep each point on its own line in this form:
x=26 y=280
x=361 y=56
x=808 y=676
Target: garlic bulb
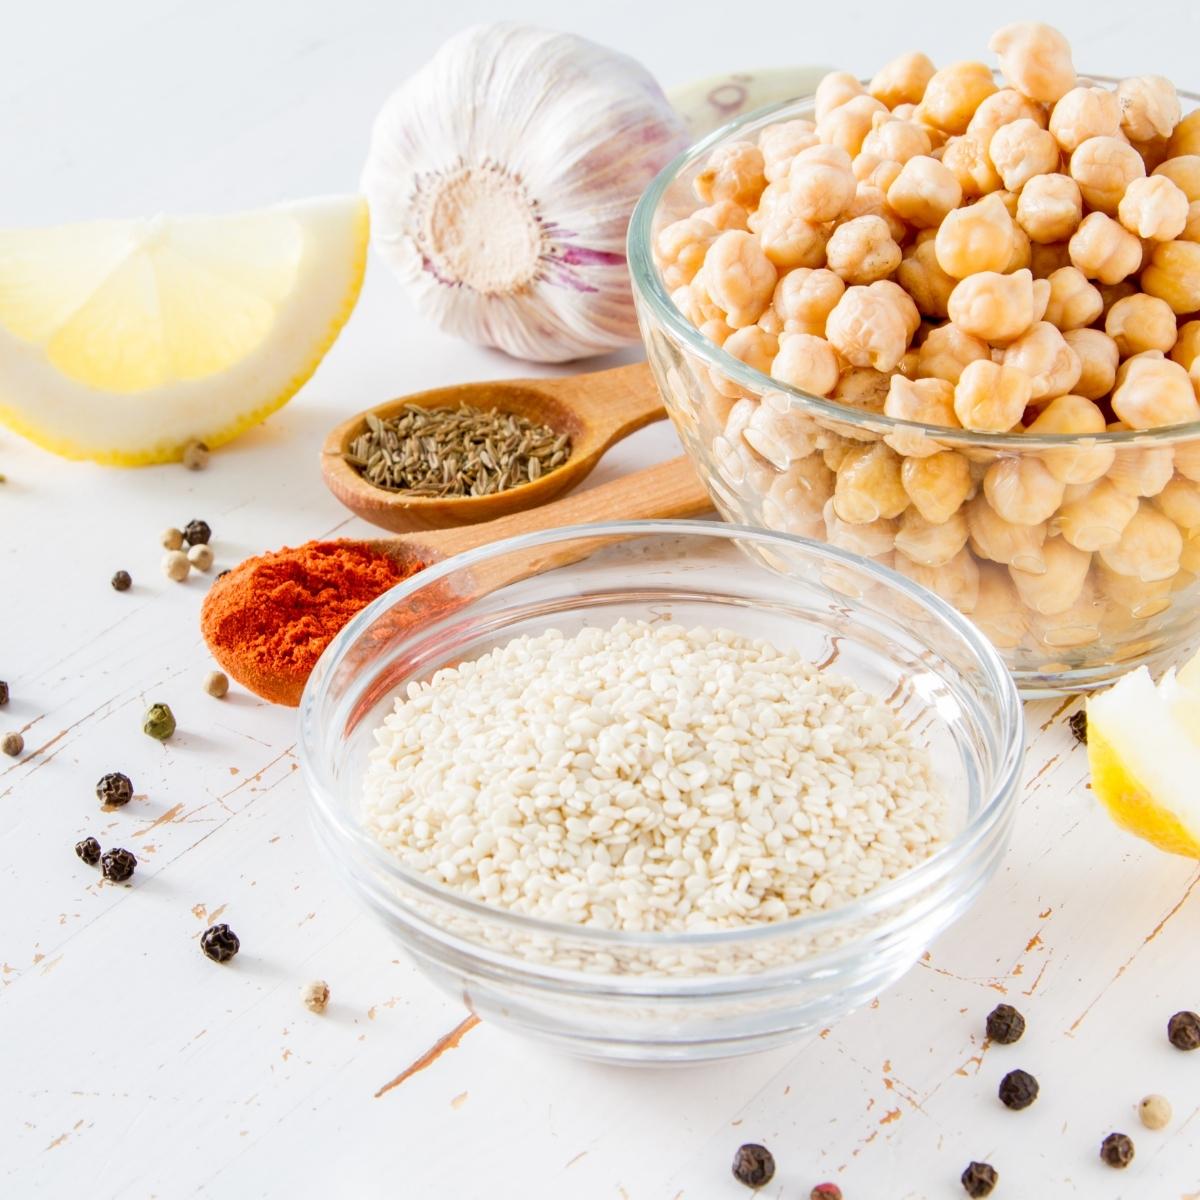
x=501 y=178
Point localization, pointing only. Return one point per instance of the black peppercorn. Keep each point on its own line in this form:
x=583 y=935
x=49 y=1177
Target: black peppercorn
x=89 y=851
x=1078 y=724
x=1184 y=1031
x=220 y=943
x=753 y=1165
x=117 y=865
x=1117 y=1150
x=1005 y=1025
x=1018 y=1089
x=121 y=581
x=220 y=575
x=3 y=692
x=979 y=1179
x=114 y=789
x=197 y=533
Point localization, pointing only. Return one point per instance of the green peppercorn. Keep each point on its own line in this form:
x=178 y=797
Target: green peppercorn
x=12 y=744
x=1117 y=1150
x=753 y=1165
x=121 y=581
x=159 y=722
x=88 y=850
x=220 y=943
x=114 y=790
x=197 y=533
x=979 y=1179
x=117 y=865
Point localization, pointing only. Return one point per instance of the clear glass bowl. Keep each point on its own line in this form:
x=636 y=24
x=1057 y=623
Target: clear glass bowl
x=765 y=450
x=667 y=996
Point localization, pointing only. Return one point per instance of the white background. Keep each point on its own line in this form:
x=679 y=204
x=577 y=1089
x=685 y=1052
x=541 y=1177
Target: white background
x=129 y=1065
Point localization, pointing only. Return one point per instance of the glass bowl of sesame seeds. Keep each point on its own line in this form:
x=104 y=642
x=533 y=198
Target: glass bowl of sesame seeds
x=662 y=791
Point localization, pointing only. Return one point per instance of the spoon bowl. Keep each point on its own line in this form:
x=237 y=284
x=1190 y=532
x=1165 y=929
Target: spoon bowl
x=593 y=410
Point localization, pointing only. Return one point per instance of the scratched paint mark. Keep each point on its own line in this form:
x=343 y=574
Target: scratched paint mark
x=1044 y=915
x=1058 y=712
x=1045 y=767
x=51 y=965
x=234 y=771
x=58 y=1141
x=458 y=1101
x=977 y=1059
x=286 y=1054
x=890 y=1116
x=162 y=819
x=448 y=1041
x=1129 y=961
x=1034 y=985
x=573 y=1161
x=1033 y=941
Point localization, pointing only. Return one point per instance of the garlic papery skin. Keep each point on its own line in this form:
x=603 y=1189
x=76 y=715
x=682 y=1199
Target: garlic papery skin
x=501 y=179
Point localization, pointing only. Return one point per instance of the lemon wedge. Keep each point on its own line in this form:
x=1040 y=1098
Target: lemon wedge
x=121 y=341
x=1144 y=752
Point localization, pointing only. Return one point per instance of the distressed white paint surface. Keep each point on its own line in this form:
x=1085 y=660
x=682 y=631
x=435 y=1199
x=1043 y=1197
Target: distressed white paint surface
x=130 y=1066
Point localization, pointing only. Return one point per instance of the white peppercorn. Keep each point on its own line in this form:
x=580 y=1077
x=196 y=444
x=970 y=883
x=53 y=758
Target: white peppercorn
x=175 y=565
x=315 y=995
x=172 y=538
x=201 y=556
x=216 y=684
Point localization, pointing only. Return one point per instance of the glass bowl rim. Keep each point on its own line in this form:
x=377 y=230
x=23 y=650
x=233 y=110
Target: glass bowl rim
x=648 y=286
x=1000 y=688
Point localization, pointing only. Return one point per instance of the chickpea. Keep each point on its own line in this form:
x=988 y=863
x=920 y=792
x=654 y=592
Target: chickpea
x=1154 y=153
x=680 y=248
x=1046 y=259
x=871 y=201
x=804 y=298
x=1041 y=298
x=966 y=158
x=1098 y=356
x=924 y=192
x=908 y=112
x=1021 y=255
x=806 y=362
x=1083 y=113
x=774 y=198
x=1191 y=231
x=724 y=214
x=1002 y=108
x=1004 y=541
x=1104 y=250
x=1073 y=415
x=956 y=580
x=752 y=345
x=833 y=448
x=867 y=329
x=1148 y=549
x=862 y=250
x=1074 y=302
x=1184 y=173
x=870 y=538
x=739 y=276
x=1187 y=345
x=1154 y=208
x=865 y=164
x=946 y=351
x=863 y=388
x=938 y=485
x=1050 y=208
x=781 y=143
x=1154 y=391
x=1096 y=518
x=991 y=397
x=1186 y=138
x=790 y=240
x=893 y=140
x=795 y=501
x=1057 y=586
x=928 y=543
x=1189 y=560
x=1140 y=470
x=848 y=125
x=1021 y=150
x=976 y=238
x=1180 y=500
x=1075 y=626
x=1150 y=107
x=1139 y=598
x=996 y=308
x=927 y=402
x=1044 y=358
x=694 y=302
x=1187 y=460
x=922 y=277
x=868 y=485
x=953 y=94
x=1173 y=275
x=715 y=330
x=779 y=433
x=1104 y=167
x=769 y=322
x=1035 y=59
x=1138 y=323
x=998 y=611
x=741 y=468
x=821 y=183
x=833 y=91
x=734 y=172
x=1022 y=490
x=903 y=80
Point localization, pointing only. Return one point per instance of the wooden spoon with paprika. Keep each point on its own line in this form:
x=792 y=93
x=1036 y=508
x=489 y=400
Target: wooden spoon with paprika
x=269 y=619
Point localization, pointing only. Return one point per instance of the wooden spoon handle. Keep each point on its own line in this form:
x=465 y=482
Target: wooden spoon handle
x=670 y=489
x=615 y=402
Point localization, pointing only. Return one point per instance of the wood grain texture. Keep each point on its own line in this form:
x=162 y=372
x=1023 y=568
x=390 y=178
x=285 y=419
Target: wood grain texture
x=134 y=1067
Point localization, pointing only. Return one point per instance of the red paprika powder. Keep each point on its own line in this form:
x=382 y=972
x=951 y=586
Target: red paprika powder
x=269 y=619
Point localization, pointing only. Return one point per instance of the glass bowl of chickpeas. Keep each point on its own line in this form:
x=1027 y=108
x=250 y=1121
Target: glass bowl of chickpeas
x=949 y=319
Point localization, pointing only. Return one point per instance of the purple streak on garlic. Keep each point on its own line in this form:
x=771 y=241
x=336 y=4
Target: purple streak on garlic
x=501 y=179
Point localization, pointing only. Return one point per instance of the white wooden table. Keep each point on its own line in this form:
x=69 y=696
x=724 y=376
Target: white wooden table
x=130 y=1066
